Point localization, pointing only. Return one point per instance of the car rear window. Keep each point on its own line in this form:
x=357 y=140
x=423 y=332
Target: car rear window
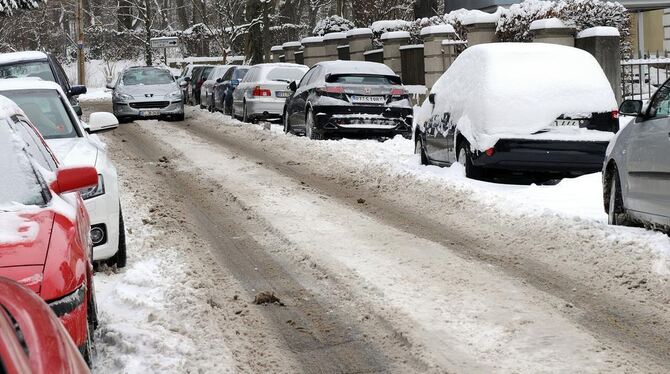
x=136 y=77
x=362 y=79
x=19 y=183
x=46 y=110
x=285 y=74
x=36 y=69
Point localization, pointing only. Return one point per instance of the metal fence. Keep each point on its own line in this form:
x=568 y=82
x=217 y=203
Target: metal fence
x=641 y=78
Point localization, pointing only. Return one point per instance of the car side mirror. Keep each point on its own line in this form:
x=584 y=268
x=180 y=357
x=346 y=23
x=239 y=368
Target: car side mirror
x=109 y=86
x=218 y=80
x=77 y=90
x=293 y=86
x=72 y=179
x=183 y=83
x=187 y=79
x=631 y=108
x=102 y=121
x=431 y=98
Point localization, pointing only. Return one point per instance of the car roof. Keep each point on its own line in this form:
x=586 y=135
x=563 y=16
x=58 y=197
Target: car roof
x=13 y=57
x=8 y=108
x=355 y=67
x=11 y=84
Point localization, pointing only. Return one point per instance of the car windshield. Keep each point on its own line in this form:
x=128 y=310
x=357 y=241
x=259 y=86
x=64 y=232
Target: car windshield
x=285 y=74
x=47 y=112
x=240 y=73
x=361 y=79
x=19 y=183
x=37 y=69
x=134 y=77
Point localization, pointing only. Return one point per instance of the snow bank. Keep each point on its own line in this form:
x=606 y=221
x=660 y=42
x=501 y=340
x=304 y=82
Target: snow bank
x=96 y=94
x=517 y=89
x=599 y=31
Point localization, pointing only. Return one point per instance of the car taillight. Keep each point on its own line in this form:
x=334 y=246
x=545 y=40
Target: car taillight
x=258 y=91
x=331 y=90
x=490 y=152
x=398 y=92
x=615 y=114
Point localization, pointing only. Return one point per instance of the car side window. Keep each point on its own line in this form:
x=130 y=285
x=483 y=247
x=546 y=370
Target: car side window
x=660 y=106
x=61 y=75
x=36 y=148
x=307 y=76
x=228 y=75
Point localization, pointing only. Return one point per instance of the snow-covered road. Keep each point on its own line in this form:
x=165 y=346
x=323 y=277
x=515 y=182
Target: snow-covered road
x=427 y=270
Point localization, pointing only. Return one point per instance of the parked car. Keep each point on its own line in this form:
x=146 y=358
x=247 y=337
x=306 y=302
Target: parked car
x=636 y=175
x=46 y=106
x=207 y=88
x=519 y=108
x=223 y=90
x=348 y=98
x=264 y=89
x=40 y=65
x=32 y=339
x=147 y=92
x=184 y=80
x=199 y=77
x=44 y=225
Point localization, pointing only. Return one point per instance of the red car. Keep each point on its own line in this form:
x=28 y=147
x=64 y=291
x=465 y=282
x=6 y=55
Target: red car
x=32 y=340
x=44 y=227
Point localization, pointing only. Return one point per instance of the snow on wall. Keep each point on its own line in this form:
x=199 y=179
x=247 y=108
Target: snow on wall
x=98 y=71
x=599 y=31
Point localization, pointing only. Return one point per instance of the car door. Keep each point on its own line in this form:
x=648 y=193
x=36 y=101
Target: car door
x=221 y=88
x=648 y=158
x=437 y=131
x=299 y=98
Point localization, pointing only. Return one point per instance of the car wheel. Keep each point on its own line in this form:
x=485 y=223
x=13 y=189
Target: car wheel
x=309 y=126
x=465 y=158
x=179 y=117
x=616 y=212
x=120 y=258
x=418 y=149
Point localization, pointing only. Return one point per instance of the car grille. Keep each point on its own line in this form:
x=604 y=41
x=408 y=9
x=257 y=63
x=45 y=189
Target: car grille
x=149 y=104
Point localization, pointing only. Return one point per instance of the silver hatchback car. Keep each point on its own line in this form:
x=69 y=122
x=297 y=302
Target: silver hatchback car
x=147 y=92
x=636 y=175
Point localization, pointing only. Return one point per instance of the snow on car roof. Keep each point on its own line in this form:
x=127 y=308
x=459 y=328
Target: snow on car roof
x=11 y=84
x=12 y=57
x=355 y=67
x=498 y=89
x=8 y=108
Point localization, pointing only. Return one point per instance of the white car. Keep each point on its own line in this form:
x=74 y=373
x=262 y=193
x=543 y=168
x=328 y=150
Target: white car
x=263 y=91
x=48 y=108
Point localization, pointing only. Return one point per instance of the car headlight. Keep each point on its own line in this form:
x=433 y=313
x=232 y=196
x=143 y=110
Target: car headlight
x=175 y=95
x=94 y=191
x=122 y=96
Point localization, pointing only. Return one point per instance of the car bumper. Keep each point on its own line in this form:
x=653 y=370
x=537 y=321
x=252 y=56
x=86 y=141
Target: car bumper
x=560 y=157
x=363 y=120
x=265 y=108
x=175 y=107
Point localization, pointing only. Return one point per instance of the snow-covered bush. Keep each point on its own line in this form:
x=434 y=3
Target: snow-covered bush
x=6 y=6
x=380 y=27
x=332 y=24
x=514 y=23
x=415 y=27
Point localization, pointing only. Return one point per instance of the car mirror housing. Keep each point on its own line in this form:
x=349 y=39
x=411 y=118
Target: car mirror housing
x=292 y=86
x=102 y=121
x=183 y=83
x=77 y=90
x=109 y=86
x=431 y=98
x=631 y=108
x=73 y=179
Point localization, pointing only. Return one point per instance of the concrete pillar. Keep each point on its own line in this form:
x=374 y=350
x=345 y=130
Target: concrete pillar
x=433 y=60
x=276 y=51
x=552 y=31
x=314 y=50
x=360 y=41
x=603 y=43
x=331 y=41
x=290 y=48
x=481 y=31
x=392 y=42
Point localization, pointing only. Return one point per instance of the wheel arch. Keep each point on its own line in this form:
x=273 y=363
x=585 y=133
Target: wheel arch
x=611 y=169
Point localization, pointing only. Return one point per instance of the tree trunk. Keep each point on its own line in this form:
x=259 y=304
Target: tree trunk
x=182 y=16
x=424 y=8
x=148 y=52
x=254 y=40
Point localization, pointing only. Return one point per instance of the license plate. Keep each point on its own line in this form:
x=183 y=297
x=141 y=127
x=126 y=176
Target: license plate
x=150 y=113
x=567 y=123
x=282 y=93
x=357 y=99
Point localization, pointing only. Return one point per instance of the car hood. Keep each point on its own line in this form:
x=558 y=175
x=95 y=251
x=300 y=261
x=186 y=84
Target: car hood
x=74 y=151
x=24 y=244
x=155 y=89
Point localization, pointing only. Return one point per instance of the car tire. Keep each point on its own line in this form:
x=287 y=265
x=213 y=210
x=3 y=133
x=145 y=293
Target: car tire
x=419 y=149
x=465 y=158
x=179 y=117
x=121 y=257
x=309 y=126
x=616 y=214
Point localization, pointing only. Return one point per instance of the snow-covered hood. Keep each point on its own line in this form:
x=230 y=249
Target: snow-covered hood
x=74 y=151
x=155 y=89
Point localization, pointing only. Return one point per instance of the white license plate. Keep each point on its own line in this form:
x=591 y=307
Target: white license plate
x=282 y=94
x=367 y=99
x=150 y=113
x=567 y=123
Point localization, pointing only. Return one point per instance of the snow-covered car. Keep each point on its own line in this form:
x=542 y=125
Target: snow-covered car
x=44 y=227
x=519 y=108
x=636 y=174
x=223 y=90
x=263 y=91
x=348 y=98
x=207 y=88
x=147 y=92
x=198 y=77
x=184 y=80
x=40 y=65
x=47 y=107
